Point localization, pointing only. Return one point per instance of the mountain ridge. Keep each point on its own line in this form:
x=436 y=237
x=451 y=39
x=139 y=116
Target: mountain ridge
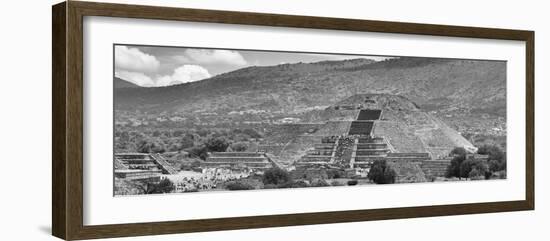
x=121 y=83
x=430 y=82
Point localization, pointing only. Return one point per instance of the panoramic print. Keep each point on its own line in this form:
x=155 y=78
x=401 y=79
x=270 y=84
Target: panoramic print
x=202 y=120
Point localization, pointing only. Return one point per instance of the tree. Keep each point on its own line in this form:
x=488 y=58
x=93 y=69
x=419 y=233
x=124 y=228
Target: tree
x=151 y=146
x=174 y=147
x=187 y=142
x=459 y=151
x=198 y=152
x=496 y=166
x=334 y=173
x=275 y=176
x=493 y=151
x=453 y=170
x=381 y=173
x=164 y=186
x=497 y=158
x=239 y=147
x=217 y=144
x=459 y=155
x=236 y=185
x=471 y=167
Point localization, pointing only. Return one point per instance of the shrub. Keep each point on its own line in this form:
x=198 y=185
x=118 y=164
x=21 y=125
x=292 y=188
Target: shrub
x=320 y=183
x=453 y=170
x=236 y=185
x=497 y=165
x=334 y=173
x=186 y=142
x=472 y=168
x=381 y=173
x=151 y=146
x=458 y=151
x=275 y=176
x=476 y=174
x=497 y=158
x=164 y=186
x=294 y=184
x=217 y=144
x=466 y=167
x=494 y=152
x=239 y=147
x=198 y=152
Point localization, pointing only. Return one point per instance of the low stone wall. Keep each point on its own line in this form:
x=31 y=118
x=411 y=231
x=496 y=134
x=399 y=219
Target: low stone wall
x=374 y=140
x=236 y=154
x=372 y=146
x=138 y=175
x=315 y=158
x=419 y=155
x=230 y=164
x=366 y=152
x=320 y=152
x=435 y=168
x=211 y=159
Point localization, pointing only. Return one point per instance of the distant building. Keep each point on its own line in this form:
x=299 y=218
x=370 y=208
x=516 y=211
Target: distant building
x=141 y=166
x=238 y=160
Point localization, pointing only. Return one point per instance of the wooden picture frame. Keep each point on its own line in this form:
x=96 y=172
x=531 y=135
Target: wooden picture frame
x=67 y=124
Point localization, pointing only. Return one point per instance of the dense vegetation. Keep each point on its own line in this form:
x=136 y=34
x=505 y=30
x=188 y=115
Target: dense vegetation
x=279 y=178
x=238 y=185
x=196 y=142
x=164 y=186
x=464 y=166
x=381 y=173
x=276 y=176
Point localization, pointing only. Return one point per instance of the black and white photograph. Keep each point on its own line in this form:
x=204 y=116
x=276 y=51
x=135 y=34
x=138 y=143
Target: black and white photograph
x=190 y=119
x=252 y=120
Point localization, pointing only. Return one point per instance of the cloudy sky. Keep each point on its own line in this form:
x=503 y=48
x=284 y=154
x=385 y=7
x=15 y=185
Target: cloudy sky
x=162 y=66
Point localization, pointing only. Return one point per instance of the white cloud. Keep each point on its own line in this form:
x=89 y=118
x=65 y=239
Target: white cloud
x=132 y=59
x=182 y=74
x=165 y=81
x=208 y=56
x=190 y=73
